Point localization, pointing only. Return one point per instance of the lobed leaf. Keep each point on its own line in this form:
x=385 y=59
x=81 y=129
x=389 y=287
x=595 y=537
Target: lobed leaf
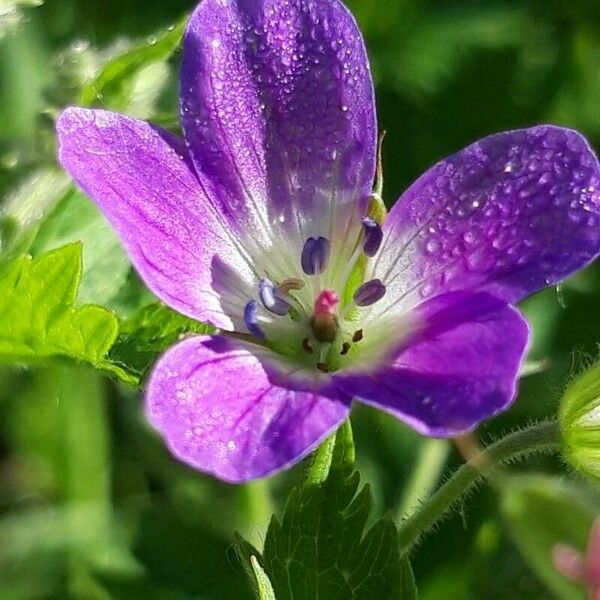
x=319 y=548
x=39 y=319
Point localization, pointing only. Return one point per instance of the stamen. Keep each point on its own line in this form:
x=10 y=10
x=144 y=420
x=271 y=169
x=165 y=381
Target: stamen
x=271 y=299
x=369 y=293
x=306 y=346
x=358 y=335
x=373 y=236
x=315 y=255
x=322 y=367
x=293 y=283
x=251 y=320
x=345 y=348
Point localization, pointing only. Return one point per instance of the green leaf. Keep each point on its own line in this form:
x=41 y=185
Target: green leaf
x=541 y=512
x=37 y=316
x=264 y=586
x=105 y=264
x=39 y=319
x=116 y=83
x=319 y=548
x=11 y=14
x=149 y=333
x=24 y=207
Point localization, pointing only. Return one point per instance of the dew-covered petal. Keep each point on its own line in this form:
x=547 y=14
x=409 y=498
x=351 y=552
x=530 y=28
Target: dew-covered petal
x=459 y=368
x=228 y=409
x=510 y=214
x=278 y=111
x=141 y=179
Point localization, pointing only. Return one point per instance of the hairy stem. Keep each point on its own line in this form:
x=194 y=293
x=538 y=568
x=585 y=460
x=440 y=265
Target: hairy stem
x=540 y=438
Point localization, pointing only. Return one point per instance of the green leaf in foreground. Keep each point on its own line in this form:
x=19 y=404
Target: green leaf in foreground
x=38 y=318
x=319 y=548
x=150 y=332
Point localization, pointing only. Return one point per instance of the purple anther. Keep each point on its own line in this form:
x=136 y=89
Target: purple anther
x=373 y=236
x=369 y=293
x=315 y=255
x=251 y=320
x=271 y=298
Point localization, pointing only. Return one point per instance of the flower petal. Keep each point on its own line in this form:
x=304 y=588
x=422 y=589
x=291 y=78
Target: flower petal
x=278 y=109
x=510 y=214
x=139 y=177
x=570 y=563
x=593 y=553
x=457 y=370
x=227 y=410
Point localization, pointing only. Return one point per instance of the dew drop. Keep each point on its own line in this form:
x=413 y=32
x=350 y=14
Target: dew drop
x=432 y=246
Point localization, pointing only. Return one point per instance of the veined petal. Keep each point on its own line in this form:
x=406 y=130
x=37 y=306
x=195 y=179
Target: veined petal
x=510 y=214
x=457 y=370
x=278 y=112
x=225 y=409
x=140 y=178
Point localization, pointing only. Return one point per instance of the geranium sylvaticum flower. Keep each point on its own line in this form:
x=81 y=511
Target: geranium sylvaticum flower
x=262 y=221
x=579 y=568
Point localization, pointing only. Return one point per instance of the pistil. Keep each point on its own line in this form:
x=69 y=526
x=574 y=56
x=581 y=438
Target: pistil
x=324 y=322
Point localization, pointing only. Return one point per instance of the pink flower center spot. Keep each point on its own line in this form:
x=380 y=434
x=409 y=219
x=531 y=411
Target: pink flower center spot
x=326 y=303
x=324 y=322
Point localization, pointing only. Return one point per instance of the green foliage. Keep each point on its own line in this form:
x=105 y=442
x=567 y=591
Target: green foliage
x=105 y=264
x=37 y=313
x=580 y=421
x=541 y=512
x=39 y=319
x=263 y=584
x=42 y=545
x=25 y=207
x=319 y=549
x=148 y=333
x=140 y=71
x=74 y=476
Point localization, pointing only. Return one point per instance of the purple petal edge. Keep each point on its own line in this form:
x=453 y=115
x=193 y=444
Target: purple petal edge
x=278 y=108
x=460 y=369
x=223 y=410
x=140 y=178
x=510 y=214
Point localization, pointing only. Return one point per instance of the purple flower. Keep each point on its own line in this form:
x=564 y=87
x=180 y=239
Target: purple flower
x=255 y=221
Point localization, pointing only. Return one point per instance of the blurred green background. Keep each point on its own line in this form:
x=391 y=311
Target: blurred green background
x=91 y=504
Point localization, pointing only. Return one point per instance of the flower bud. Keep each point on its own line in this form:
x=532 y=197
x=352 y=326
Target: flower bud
x=580 y=421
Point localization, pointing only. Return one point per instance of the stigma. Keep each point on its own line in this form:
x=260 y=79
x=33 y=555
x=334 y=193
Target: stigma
x=324 y=322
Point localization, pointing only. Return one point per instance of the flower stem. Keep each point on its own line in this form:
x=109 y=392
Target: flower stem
x=431 y=459
x=540 y=438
